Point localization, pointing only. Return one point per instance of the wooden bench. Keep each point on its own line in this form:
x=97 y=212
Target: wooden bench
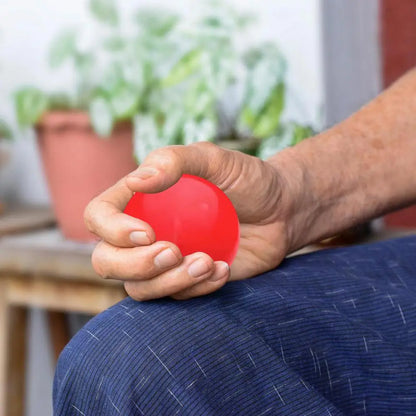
x=39 y=268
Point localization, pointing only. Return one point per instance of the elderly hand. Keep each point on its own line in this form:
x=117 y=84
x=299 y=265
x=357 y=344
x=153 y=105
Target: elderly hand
x=153 y=269
x=354 y=171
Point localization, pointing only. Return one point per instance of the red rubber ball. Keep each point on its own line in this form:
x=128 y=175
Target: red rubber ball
x=194 y=214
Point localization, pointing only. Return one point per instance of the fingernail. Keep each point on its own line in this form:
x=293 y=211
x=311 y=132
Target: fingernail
x=198 y=268
x=221 y=270
x=144 y=173
x=166 y=258
x=139 y=237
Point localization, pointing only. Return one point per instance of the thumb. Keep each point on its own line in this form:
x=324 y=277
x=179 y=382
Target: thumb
x=163 y=167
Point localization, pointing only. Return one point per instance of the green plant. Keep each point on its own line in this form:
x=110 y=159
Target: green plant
x=5 y=131
x=172 y=78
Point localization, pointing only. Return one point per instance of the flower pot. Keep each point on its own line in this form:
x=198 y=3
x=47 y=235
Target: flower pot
x=79 y=165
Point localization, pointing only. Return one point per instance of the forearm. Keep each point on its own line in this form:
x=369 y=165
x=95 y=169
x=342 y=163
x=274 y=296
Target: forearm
x=357 y=170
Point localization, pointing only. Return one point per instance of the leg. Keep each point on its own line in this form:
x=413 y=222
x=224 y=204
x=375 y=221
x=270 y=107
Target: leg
x=59 y=331
x=13 y=323
x=17 y=361
x=332 y=332
x=3 y=346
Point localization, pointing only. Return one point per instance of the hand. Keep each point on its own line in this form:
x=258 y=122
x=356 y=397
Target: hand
x=152 y=269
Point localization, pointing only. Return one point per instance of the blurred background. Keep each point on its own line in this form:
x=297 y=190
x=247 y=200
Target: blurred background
x=89 y=87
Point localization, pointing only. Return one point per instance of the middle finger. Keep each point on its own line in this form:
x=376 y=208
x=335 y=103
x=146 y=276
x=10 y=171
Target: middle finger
x=135 y=263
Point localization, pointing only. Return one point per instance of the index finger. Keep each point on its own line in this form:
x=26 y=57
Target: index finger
x=104 y=217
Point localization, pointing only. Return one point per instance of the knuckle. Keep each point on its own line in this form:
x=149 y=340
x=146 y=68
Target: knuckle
x=206 y=146
x=180 y=296
x=163 y=157
x=89 y=215
x=98 y=261
x=205 y=257
x=136 y=291
x=175 y=287
x=139 y=266
x=139 y=273
x=163 y=245
x=116 y=234
x=209 y=149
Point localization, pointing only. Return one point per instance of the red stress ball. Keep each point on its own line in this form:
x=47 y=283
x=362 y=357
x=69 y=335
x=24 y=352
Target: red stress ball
x=194 y=214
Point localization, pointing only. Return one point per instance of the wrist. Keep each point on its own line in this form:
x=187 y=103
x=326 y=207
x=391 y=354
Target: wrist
x=321 y=195
x=296 y=205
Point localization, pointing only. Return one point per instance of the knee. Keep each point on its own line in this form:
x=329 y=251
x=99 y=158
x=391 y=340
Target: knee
x=122 y=356
x=90 y=371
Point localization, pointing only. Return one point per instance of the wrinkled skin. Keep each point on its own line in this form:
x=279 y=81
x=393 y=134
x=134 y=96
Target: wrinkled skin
x=256 y=189
x=357 y=170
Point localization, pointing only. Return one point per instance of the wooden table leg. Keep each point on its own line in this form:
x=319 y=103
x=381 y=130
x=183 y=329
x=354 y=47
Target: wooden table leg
x=59 y=331
x=17 y=361
x=3 y=346
x=13 y=327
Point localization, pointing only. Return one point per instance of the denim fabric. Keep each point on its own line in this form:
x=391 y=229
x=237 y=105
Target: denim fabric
x=328 y=333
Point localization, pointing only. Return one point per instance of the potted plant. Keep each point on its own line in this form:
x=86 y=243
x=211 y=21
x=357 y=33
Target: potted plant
x=168 y=81
x=221 y=90
x=85 y=138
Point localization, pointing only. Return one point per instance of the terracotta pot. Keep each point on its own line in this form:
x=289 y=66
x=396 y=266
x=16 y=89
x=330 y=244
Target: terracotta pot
x=79 y=165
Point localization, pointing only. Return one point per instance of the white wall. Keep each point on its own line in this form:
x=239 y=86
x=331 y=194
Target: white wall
x=351 y=54
x=26 y=29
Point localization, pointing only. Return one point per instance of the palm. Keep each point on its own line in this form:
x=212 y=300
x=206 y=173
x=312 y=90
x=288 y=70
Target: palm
x=257 y=199
x=261 y=249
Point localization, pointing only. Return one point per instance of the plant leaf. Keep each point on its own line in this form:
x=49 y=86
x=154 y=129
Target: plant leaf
x=301 y=133
x=269 y=119
x=198 y=100
x=286 y=135
x=101 y=116
x=156 y=22
x=5 y=131
x=187 y=65
x=114 y=43
x=267 y=70
x=172 y=127
x=133 y=72
x=113 y=78
x=282 y=139
x=84 y=63
x=62 y=48
x=124 y=102
x=199 y=131
x=146 y=136
x=30 y=104
x=248 y=118
x=60 y=101
x=105 y=11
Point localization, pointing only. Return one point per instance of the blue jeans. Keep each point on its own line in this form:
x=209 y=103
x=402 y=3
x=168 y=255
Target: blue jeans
x=328 y=333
